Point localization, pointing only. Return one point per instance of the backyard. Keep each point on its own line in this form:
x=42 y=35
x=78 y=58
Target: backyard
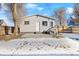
x=40 y=46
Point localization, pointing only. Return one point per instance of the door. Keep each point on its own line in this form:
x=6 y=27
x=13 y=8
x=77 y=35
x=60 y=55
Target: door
x=37 y=27
x=6 y=30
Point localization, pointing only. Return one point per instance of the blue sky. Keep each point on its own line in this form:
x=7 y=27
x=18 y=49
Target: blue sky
x=5 y=14
x=46 y=8
x=36 y=8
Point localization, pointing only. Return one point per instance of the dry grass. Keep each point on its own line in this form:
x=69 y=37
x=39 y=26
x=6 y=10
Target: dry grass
x=13 y=36
x=9 y=37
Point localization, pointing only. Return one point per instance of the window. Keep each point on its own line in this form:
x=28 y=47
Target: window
x=44 y=23
x=51 y=24
x=26 y=22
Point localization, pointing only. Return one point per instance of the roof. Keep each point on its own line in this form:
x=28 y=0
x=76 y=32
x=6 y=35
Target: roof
x=46 y=17
x=76 y=20
x=3 y=23
x=40 y=16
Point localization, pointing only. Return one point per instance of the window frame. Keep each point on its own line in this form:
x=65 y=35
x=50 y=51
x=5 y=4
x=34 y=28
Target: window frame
x=26 y=22
x=51 y=23
x=44 y=23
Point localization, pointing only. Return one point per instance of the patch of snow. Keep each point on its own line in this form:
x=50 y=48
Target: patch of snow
x=29 y=46
x=71 y=35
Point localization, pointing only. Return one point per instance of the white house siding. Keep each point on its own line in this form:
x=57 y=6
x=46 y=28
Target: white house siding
x=30 y=27
x=43 y=28
x=32 y=24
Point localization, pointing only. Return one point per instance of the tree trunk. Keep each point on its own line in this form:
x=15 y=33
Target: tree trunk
x=15 y=19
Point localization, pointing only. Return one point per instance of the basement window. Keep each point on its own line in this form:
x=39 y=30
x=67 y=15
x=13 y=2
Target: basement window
x=44 y=23
x=26 y=22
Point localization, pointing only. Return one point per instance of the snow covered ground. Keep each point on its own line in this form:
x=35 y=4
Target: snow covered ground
x=40 y=46
x=71 y=35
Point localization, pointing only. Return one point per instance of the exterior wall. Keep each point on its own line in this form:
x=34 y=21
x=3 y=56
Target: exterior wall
x=75 y=29
x=28 y=28
x=2 y=30
x=5 y=30
x=32 y=24
x=44 y=28
x=9 y=30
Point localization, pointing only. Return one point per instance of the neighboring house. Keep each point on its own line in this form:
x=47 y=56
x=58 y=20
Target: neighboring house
x=5 y=30
x=6 y=14
x=36 y=23
x=2 y=27
x=73 y=28
x=76 y=21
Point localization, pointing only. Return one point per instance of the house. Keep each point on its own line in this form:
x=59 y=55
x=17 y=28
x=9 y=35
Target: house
x=36 y=23
x=74 y=28
x=4 y=29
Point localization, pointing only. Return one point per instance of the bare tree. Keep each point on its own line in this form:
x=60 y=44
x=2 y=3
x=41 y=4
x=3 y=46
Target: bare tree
x=59 y=14
x=76 y=13
x=76 y=10
x=16 y=13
